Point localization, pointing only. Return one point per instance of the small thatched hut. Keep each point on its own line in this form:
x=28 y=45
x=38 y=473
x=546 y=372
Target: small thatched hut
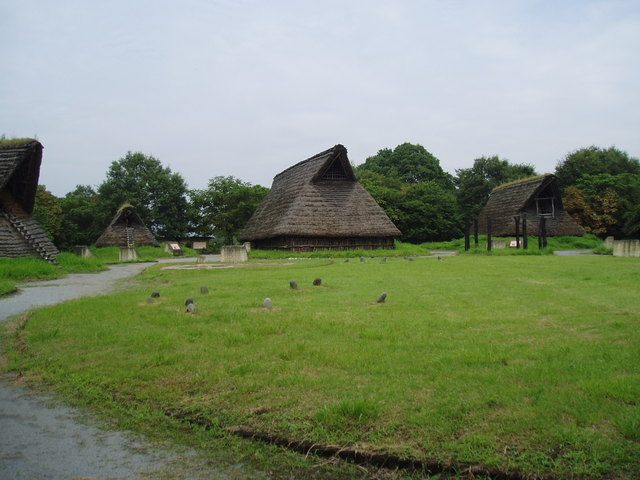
x=20 y=234
x=126 y=230
x=536 y=197
x=318 y=204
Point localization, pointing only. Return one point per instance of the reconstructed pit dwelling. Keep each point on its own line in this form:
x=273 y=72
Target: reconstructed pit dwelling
x=537 y=197
x=20 y=233
x=318 y=204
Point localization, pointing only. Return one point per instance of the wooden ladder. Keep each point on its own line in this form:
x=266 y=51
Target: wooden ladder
x=129 y=234
x=24 y=233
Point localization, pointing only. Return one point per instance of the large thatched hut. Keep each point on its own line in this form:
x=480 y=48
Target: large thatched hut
x=126 y=230
x=20 y=234
x=318 y=204
x=534 y=197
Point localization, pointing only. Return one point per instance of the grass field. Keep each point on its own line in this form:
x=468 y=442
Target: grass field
x=520 y=363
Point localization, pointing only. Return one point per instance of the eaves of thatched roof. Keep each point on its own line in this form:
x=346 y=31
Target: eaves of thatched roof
x=20 y=169
x=319 y=196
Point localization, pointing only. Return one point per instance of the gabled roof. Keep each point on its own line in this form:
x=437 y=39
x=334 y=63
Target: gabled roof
x=511 y=198
x=20 y=169
x=319 y=196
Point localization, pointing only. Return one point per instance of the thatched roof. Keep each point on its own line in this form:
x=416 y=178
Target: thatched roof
x=535 y=196
x=126 y=229
x=319 y=196
x=20 y=234
x=20 y=169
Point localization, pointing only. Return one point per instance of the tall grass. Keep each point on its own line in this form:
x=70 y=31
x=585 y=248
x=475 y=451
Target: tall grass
x=520 y=363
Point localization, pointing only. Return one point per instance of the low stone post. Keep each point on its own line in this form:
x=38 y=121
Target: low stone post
x=83 y=251
x=234 y=254
x=128 y=254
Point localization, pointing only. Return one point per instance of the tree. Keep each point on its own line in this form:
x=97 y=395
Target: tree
x=476 y=183
x=224 y=207
x=613 y=200
x=596 y=214
x=158 y=195
x=593 y=161
x=84 y=217
x=408 y=163
x=428 y=213
x=414 y=191
x=48 y=213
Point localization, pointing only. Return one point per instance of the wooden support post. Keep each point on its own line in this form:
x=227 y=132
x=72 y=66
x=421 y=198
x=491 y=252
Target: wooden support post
x=517 y=220
x=543 y=231
x=475 y=231
x=525 y=238
x=540 y=226
x=488 y=234
x=467 y=240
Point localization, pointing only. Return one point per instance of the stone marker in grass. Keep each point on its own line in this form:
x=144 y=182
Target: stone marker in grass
x=267 y=303
x=382 y=297
x=155 y=294
x=204 y=290
x=293 y=284
x=192 y=308
x=317 y=282
x=188 y=301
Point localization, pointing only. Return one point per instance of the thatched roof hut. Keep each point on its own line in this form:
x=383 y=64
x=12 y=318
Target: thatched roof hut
x=318 y=204
x=536 y=197
x=20 y=234
x=126 y=230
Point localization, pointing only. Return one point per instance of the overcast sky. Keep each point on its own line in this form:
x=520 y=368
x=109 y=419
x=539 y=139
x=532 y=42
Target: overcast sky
x=249 y=88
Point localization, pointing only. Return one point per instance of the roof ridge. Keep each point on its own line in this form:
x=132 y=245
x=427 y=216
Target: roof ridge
x=523 y=180
x=314 y=157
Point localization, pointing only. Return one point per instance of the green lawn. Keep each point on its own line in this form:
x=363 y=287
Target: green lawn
x=522 y=363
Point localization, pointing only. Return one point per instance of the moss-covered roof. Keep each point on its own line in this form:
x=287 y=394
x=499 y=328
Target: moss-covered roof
x=15 y=142
x=535 y=178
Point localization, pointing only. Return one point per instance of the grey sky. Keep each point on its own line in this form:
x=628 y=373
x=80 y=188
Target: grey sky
x=248 y=88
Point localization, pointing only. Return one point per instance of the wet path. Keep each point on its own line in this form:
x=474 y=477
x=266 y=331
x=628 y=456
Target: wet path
x=40 y=438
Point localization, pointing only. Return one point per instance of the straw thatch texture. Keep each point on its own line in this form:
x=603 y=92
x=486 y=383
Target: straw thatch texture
x=126 y=230
x=318 y=204
x=20 y=234
x=535 y=196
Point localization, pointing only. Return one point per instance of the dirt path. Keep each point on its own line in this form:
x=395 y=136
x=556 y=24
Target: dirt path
x=40 y=438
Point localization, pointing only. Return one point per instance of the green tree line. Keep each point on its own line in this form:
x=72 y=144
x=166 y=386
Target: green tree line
x=601 y=189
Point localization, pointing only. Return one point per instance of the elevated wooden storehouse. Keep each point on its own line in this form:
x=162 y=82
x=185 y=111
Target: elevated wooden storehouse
x=536 y=197
x=126 y=230
x=20 y=233
x=318 y=204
